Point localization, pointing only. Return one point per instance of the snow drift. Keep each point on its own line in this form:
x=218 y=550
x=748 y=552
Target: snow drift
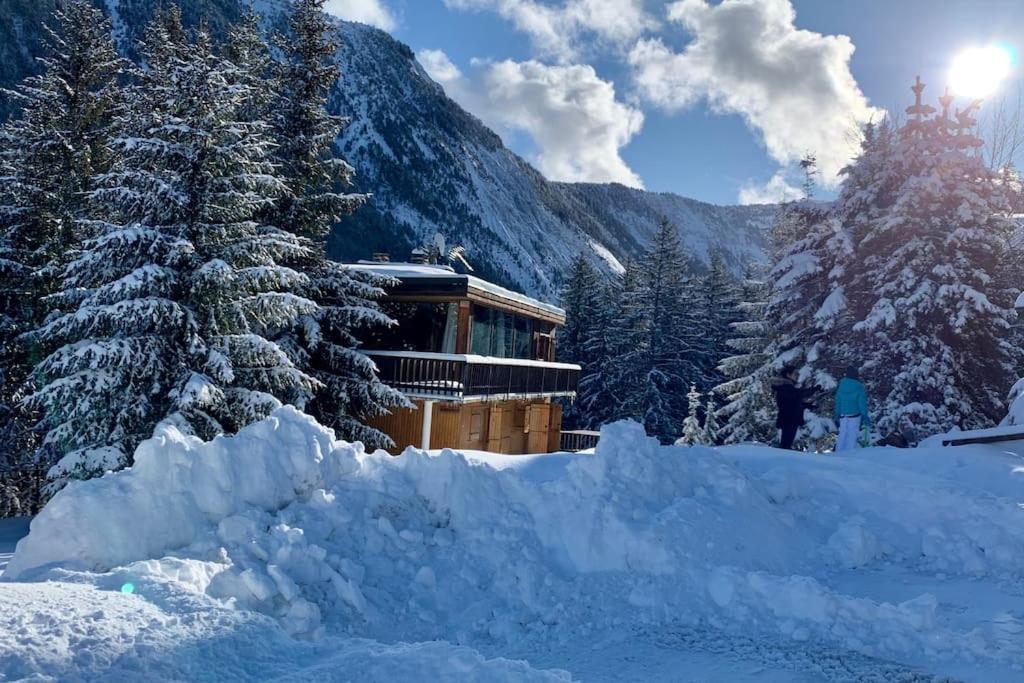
x=500 y=553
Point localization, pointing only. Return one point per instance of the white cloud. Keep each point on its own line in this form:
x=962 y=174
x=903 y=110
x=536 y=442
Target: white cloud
x=556 y=29
x=572 y=116
x=778 y=189
x=793 y=87
x=439 y=66
x=372 y=12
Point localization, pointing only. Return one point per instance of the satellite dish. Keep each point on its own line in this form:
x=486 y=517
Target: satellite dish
x=439 y=242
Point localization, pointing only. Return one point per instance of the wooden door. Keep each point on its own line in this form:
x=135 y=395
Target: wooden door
x=540 y=424
x=555 y=428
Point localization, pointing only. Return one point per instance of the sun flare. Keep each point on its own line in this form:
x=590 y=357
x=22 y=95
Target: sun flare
x=978 y=71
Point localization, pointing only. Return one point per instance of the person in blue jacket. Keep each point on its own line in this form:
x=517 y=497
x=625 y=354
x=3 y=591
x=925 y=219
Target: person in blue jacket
x=851 y=410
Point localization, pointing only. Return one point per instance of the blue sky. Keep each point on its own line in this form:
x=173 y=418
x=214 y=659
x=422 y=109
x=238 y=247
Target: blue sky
x=712 y=100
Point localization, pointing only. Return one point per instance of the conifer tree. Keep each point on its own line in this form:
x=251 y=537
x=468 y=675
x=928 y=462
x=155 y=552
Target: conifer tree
x=748 y=410
x=710 y=435
x=247 y=50
x=314 y=200
x=692 y=432
x=578 y=342
x=622 y=368
x=806 y=300
x=673 y=354
x=596 y=398
x=720 y=300
x=933 y=317
x=49 y=155
x=174 y=298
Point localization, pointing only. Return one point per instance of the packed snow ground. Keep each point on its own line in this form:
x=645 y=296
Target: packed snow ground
x=281 y=553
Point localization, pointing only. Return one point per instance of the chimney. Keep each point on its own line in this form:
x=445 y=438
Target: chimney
x=418 y=256
x=381 y=257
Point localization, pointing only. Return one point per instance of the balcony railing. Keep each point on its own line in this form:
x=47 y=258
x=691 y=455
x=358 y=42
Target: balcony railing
x=468 y=377
x=573 y=440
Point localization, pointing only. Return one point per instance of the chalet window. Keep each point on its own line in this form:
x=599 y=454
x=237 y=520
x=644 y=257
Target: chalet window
x=483 y=332
x=421 y=327
x=524 y=338
x=451 y=329
x=501 y=334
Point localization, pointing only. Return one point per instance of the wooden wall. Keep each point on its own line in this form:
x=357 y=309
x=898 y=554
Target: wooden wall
x=513 y=427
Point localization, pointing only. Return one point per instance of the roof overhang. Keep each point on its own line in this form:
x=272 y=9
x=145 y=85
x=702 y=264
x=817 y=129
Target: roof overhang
x=424 y=282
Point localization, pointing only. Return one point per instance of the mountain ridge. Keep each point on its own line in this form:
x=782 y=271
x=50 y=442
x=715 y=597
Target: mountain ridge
x=432 y=167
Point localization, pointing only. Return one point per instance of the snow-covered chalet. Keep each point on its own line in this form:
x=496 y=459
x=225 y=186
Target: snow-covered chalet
x=475 y=359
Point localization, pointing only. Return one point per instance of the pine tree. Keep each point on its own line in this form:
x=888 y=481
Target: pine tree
x=621 y=371
x=176 y=294
x=720 y=300
x=693 y=433
x=596 y=399
x=314 y=200
x=749 y=406
x=933 y=319
x=247 y=49
x=710 y=434
x=48 y=157
x=673 y=353
x=578 y=342
x=804 y=308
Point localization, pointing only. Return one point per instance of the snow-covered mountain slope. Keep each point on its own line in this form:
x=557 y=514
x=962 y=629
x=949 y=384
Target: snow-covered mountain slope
x=432 y=166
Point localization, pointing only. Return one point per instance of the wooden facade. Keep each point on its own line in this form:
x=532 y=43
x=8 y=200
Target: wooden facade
x=510 y=427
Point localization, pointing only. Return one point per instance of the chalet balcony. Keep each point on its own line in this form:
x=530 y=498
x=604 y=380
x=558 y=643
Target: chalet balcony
x=467 y=377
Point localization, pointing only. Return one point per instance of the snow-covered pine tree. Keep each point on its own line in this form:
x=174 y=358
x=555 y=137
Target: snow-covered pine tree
x=790 y=222
x=578 y=341
x=247 y=49
x=749 y=406
x=710 y=433
x=933 y=319
x=692 y=432
x=580 y=299
x=720 y=300
x=304 y=130
x=1015 y=414
x=315 y=199
x=173 y=296
x=617 y=384
x=673 y=350
x=596 y=398
x=805 y=301
x=48 y=157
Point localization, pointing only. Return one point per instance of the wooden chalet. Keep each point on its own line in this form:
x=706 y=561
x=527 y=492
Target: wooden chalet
x=476 y=360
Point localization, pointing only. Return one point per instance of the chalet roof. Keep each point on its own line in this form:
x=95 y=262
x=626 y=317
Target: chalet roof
x=438 y=280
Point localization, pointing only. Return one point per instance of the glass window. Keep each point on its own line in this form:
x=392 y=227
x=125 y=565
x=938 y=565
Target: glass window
x=501 y=334
x=421 y=327
x=524 y=338
x=451 y=326
x=504 y=335
x=482 y=331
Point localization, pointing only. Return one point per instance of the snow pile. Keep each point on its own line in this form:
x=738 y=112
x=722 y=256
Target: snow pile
x=511 y=555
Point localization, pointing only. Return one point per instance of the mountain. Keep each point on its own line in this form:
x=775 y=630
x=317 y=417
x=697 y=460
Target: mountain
x=433 y=167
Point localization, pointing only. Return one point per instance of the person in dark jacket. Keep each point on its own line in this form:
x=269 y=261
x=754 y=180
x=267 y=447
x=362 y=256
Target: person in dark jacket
x=790 y=401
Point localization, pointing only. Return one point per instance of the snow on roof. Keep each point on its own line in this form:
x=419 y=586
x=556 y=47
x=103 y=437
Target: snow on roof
x=427 y=271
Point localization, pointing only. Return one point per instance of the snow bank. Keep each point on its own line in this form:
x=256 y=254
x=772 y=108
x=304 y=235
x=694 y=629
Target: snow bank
x=497 y=553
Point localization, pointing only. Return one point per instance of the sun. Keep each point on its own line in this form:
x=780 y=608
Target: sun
x=978 y=71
